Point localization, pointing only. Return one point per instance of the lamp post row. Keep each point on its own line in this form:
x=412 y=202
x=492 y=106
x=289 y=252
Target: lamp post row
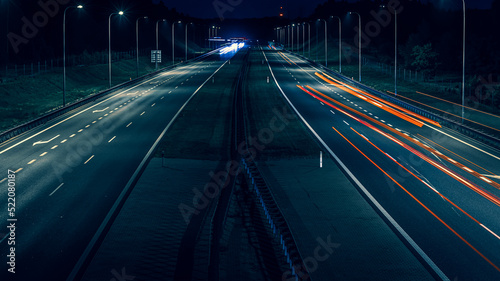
x=64 y=51
x=395 y=49
x=109 y=45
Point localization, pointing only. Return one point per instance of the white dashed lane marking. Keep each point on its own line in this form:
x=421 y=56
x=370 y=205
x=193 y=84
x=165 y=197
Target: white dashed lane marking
x=88 y=159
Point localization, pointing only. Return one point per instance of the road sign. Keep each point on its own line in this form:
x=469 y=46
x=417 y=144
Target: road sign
x=155 y=56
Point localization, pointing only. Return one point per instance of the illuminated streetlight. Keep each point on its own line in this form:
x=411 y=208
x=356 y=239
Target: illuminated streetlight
x=137 y=41
x=212 y=32
x=173 y=42
x=157 y=50
x=309 y=34
x=64 y=51
x=288 y=31
x=340 y=43
x=326 y=42
x=303 y=38
x=109 y=44
x=298 y=36
x=463 y=63
x=186 y=39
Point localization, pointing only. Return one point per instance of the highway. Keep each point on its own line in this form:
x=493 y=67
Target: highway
x=437 y=189
x=70 y=171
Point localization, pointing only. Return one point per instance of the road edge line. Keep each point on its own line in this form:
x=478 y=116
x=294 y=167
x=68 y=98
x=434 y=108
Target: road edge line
x=123 y=195
x=381 y=209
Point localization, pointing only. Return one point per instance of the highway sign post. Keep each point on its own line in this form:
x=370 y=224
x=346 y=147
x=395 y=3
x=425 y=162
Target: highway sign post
x=155 y=56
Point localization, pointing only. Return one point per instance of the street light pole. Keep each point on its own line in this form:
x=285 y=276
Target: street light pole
x=186 y=39
x=109 y=44
x=298 y=37
x=359 y=43
x=288 y=31
x=137 y=42
x=463 y=64
x=292 y=36
x=309 y=40
x=340 y=43
x=395 y=52
x=303 y=24
x=156 y=54
x=173 y=42
x=326 y=42
x=64 y=50
x=317 y=39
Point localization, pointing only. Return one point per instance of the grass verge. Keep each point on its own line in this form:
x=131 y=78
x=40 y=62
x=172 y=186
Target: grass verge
x=263 y=100
x=202 y=130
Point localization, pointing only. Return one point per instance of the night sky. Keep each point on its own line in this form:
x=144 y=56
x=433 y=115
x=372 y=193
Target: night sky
x=92 y=35
x=296 y=8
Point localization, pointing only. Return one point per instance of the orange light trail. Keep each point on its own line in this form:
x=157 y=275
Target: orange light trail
x=494 y=199
x=455 y=154
x=359 y=93
x=284 y=58
x=288 y=58
x=458 y=104
x=446 y=112
x=420 y=203
x=411 y=173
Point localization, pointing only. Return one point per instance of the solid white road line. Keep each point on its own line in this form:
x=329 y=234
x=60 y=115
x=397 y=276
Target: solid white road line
x=56 y=189
x=74 y=115
x=118 y=201
x=466 y=143
x=407 y=237
x=494 y=234
x=88 y=159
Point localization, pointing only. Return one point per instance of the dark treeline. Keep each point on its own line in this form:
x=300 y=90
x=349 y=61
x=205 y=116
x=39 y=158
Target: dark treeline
x=420 y=24
x=87 y=29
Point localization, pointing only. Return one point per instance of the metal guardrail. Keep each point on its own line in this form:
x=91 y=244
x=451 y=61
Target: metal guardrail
x=275 y=218
x=461 y=128
x=63 y=110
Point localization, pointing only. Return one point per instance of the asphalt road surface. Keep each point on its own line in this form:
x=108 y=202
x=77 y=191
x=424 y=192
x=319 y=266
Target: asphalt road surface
x=70 y=171
x=439 y=190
